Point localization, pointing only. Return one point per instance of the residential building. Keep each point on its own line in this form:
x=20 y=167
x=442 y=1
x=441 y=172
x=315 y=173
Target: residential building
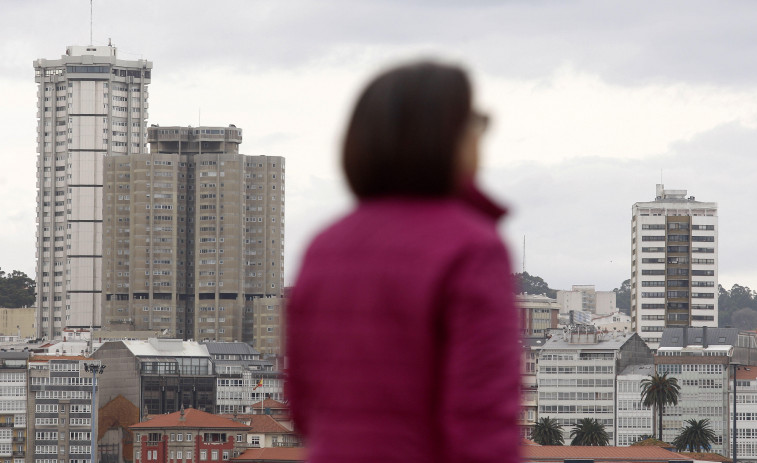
x=188 y=435
x=577 y=373
x=674 y=270
x=634 y=420
x=13 y=387
x=267 y=325
x=700 y=359
x=89 y=103
x=265 y=431
x=193 y=235
x=59 y=408
x=538 y=313
x=242 y=377
x=529 y=390
x=616 y=321
x=586 y=298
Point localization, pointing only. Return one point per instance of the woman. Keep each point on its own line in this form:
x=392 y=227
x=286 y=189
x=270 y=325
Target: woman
x=402 y=338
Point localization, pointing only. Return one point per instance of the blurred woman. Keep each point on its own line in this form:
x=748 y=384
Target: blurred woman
x=402 y=330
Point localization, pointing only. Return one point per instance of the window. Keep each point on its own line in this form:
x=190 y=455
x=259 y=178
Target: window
x=214 y=455
x=203 y=454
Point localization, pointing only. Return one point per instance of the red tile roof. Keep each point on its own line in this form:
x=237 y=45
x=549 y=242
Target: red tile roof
x=192 y=419
x=269 y=403
x=707 y=456
x=260 y=423
x=746 y=373
x=289 y=454
x=598 y=454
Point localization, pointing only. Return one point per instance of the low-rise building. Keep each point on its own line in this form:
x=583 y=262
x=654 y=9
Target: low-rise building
x=188 y=436
x=538 y=313
x=577 y=373
x=529 y=390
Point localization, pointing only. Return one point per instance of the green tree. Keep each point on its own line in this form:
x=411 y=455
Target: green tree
x=658 y=391
x=589 y=431
x=532 y=284
x=547 y=432
x=697 y=436
x=623 y=297
x=16 y=289
x=745 y=319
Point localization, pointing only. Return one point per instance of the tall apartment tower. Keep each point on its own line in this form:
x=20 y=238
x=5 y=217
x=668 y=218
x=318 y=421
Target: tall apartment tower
x=193 y=235
x=674 y=264
x=90 y=103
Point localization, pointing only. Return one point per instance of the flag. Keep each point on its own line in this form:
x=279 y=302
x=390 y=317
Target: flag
x=260 y=384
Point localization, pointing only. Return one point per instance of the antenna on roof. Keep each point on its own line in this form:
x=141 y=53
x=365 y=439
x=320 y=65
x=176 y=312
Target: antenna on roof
x=523 y=263
x=90 y=22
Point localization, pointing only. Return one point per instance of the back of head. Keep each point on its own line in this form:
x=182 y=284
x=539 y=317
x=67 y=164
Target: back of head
x=404 y=132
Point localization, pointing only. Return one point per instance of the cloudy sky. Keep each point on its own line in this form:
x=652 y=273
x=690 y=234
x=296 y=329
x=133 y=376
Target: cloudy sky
x=593 y=103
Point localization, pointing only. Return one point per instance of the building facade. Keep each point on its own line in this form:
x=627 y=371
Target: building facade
x=674 y=270
x=188 y=436
x=13 y=396
x=634 y=420
x=59 y=408
x=586 y=298
x=89 y=104
x=537 y=314
x=243 y=377
x=193 y=235
x=577 y=375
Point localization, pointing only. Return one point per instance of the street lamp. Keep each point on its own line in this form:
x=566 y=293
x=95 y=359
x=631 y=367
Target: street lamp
x=95 y=369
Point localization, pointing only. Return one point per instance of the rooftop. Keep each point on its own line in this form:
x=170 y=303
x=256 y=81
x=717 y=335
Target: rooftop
x=261 y=423
x=588 y=340
x=600 y=454
x=283 y=454
x=230 y=348
x=189 y=418
x=698 y=336
x=158 y=347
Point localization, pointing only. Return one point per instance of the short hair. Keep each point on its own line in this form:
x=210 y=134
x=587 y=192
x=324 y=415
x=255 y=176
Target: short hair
x=405 y=130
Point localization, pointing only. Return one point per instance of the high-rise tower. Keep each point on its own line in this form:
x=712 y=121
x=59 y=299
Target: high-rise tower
x=193 y=236
x=674 y=264
x=90 y=103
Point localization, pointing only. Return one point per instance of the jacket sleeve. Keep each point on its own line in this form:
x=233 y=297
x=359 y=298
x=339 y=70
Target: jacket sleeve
x=294 y=391
x=480 y=366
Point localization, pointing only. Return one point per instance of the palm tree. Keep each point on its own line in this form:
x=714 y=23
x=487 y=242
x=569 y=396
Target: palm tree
x=589 y=431
x=547 y=432
x=695 y=437
x=658 y=391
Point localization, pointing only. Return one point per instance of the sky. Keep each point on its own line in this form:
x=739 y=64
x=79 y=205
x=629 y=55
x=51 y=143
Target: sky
x=593 y=103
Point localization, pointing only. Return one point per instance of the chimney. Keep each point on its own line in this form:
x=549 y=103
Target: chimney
x=181 y=416
x=704 y=337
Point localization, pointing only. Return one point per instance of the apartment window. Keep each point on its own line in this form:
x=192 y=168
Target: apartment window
x=203 y=454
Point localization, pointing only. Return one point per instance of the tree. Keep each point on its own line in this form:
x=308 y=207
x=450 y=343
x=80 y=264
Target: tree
x=16 y=289
x=658 y=391
x=547 y=432
x=589 y=431
x=532 y=284
x=697 y=436
x=745 y=319
x=623 y=297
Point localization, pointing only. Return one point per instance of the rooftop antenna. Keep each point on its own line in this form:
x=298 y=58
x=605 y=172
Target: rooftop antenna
x=90 y=22
x=523 y=262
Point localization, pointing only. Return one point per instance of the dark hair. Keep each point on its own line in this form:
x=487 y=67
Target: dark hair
x=405 y=130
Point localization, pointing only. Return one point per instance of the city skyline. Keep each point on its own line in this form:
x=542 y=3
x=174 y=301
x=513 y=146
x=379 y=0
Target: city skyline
x=592 y=105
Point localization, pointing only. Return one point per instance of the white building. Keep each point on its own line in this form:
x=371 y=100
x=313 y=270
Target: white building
x=674 y=271
x=617 y=321
x=634 y=420
x=577 y=374
x=89 y=104
x=587 y=299
x=746 y=414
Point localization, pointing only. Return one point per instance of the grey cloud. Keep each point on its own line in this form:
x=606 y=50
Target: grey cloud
x=576 y=214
